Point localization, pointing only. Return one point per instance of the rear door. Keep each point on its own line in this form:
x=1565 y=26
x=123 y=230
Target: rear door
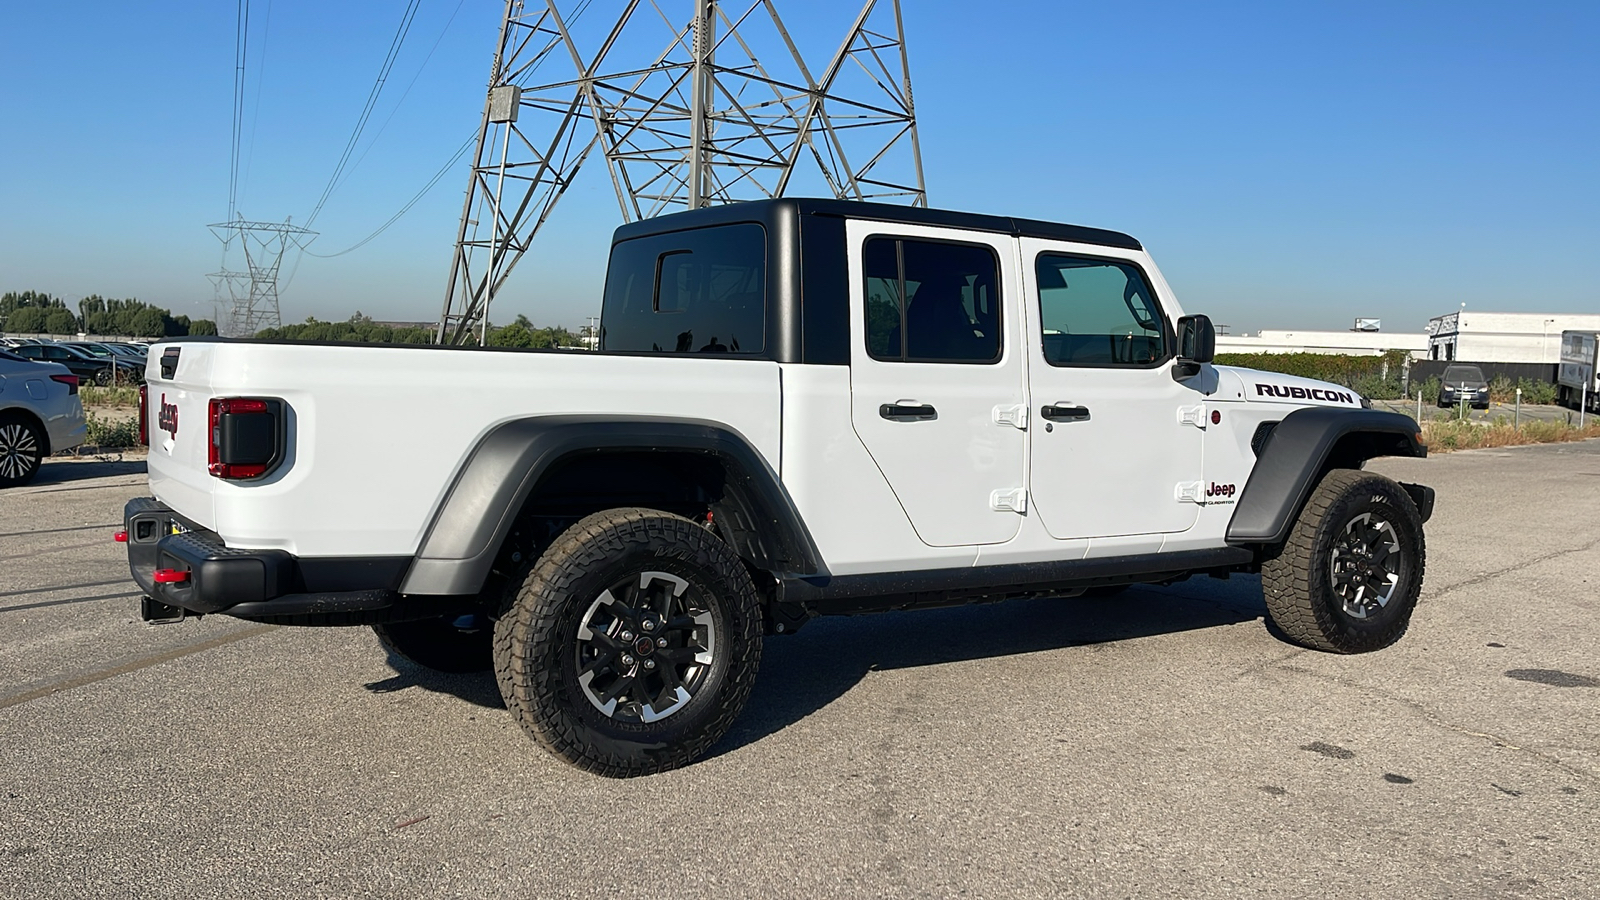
x=1117 y=445
x=938 y=393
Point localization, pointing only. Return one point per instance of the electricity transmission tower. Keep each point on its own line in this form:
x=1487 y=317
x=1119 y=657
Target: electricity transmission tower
x=253 y=294
x=716 y=109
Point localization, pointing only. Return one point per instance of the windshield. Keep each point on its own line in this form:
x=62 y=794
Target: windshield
x=1459 y=374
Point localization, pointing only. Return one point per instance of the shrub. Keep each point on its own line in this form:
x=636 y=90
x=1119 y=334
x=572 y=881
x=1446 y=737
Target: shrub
x=112 y=435
x=1377 y=377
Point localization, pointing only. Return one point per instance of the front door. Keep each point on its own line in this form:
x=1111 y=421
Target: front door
x=936 y=376
x=1117 y=443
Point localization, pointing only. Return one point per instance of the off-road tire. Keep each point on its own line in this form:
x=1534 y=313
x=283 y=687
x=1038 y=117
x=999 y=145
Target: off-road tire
x=439 y=644
x=22 y=444
x=1297 y=582
x=536 y=641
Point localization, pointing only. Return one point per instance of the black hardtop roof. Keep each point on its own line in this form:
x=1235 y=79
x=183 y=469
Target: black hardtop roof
x=767 y=210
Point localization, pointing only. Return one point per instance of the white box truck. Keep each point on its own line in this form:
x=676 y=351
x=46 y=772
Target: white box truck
x=1575 y=379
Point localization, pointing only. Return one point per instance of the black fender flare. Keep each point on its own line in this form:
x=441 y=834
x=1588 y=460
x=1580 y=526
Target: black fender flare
x=477 y=512
x=1297 y=454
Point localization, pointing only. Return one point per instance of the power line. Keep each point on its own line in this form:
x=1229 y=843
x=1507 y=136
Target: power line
x=366 y=111
x=465 y=146
x=407 y=92
x=255 y=114
x=241 y=39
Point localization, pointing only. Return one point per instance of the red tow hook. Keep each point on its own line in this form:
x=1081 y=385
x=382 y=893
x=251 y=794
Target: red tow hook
x=120 y=537
x=170 y=576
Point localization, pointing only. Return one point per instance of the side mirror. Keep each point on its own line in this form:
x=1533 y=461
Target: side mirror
x=1197 y=344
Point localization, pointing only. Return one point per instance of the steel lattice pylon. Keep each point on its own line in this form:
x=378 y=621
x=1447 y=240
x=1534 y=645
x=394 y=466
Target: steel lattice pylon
x=253 y=294
x=728 y=111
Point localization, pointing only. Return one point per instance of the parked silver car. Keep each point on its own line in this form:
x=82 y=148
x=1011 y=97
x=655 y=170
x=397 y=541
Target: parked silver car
x=40 y=414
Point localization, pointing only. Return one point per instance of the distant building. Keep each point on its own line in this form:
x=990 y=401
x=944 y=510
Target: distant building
x=1355 y=343
x=1502 y=337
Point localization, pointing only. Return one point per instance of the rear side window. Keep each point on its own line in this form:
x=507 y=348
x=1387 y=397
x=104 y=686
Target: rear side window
x=700 y=291
x=1098 y=312
x=931 y=301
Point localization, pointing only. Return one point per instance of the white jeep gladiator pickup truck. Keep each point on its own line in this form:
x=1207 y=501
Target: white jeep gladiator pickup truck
x=798 y=408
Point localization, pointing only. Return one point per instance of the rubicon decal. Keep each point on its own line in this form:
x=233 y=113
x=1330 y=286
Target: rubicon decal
x=167 y=418
x=1295 y=392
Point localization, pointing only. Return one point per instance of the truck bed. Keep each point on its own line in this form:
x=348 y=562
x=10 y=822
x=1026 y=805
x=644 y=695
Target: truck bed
x=378 y=432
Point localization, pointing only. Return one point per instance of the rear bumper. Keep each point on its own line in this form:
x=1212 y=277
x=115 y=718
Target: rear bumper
x=249 y=583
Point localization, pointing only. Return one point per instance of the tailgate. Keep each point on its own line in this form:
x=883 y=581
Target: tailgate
x=178 y=378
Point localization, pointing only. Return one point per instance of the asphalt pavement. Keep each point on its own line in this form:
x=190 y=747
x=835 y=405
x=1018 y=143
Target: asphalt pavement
x=1158 y=744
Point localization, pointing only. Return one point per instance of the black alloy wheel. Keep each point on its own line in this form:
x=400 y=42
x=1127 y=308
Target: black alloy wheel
x=645 y=647
x=631 y=645
x=1348 y=577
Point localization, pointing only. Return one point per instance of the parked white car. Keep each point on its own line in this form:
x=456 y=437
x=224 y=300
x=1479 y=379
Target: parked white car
x=40 y=414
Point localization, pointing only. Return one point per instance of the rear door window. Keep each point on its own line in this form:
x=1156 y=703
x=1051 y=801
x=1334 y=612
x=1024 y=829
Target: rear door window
x=931 y=301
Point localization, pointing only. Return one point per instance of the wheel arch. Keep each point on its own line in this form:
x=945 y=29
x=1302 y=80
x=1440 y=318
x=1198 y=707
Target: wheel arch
x=1301 y=449
x=519 y=462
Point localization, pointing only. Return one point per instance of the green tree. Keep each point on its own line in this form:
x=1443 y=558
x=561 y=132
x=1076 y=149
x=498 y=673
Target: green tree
x=26 y=320
x=202 y=326
x=148 y=322
x=60 y=320
x=513 y=335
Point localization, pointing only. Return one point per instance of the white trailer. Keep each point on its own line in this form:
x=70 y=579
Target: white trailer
x=1576 y=378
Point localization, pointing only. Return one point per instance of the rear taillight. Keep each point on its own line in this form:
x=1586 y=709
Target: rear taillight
x=71 y=381
x=144 y=415
x=246 y=437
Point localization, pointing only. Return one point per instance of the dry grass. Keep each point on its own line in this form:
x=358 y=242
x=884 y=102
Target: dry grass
x=1442 y=436
x=109 y=396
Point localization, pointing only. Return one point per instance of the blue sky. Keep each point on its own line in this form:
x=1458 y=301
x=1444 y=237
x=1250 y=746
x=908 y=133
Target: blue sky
x=1290 y=165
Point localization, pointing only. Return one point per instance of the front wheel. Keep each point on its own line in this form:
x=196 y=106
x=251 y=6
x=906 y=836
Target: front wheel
x=1347 y=579
x=632 y=643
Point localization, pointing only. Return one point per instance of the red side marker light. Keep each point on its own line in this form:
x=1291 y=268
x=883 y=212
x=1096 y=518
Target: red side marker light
x=1216 y=417
x=120 y=537
x=170 y=576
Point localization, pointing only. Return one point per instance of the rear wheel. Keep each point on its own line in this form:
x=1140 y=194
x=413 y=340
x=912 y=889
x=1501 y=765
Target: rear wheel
x=21 y=450
x=1347 y=579
x=456 y=644
x=632 y=644
x=103 y=377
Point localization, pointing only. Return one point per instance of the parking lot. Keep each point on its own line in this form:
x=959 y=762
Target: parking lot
x=1161 y=743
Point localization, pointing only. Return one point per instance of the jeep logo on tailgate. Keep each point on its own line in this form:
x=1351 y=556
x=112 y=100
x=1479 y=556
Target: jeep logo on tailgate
x=167 y=418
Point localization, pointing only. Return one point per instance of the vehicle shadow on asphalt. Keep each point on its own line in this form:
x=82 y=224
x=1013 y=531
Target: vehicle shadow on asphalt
x=803 y=673
x=65 y=471
x=477 y=688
